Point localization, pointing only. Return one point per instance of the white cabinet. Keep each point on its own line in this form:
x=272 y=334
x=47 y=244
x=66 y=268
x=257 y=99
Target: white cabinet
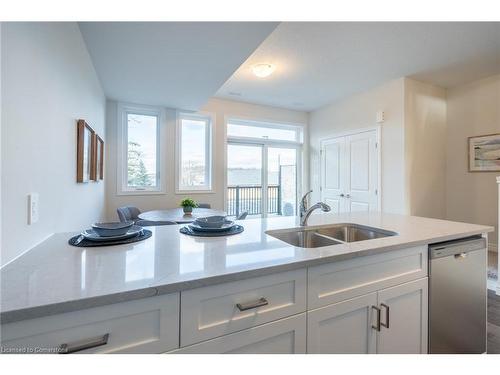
x=338 y=281
x=406 y=313
x=218 y=310
x=392 y=320
x=285 y=336
x=148 y=325
x=343 y=328
x=369 y=304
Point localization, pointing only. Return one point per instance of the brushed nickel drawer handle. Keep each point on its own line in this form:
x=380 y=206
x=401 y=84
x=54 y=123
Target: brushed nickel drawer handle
x=252 y=305
x=377 y=327
x=386 y=324
x=80 y=345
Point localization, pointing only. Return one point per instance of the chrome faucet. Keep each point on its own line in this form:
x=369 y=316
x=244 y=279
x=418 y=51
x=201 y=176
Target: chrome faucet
x=324 y=207
x=304 y=203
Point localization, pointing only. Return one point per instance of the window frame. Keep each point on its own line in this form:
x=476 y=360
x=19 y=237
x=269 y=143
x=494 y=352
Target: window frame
x=265 y=143
x=298 y=128
x=209 y=118
x=123 y=111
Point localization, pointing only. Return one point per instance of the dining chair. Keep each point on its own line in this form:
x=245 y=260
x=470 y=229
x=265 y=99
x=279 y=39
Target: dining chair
x=242 y=216
x=128 y=213
x=151 y=223
x=204 y=205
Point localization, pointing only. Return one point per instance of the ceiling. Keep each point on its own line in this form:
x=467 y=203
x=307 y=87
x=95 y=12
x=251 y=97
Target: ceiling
x=317 y=63
x=172 y=64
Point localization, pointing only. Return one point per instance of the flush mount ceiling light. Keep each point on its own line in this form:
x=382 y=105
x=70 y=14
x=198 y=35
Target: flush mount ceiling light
x=263 y=70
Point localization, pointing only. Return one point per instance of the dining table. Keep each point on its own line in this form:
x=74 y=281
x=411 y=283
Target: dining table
x=177 y=215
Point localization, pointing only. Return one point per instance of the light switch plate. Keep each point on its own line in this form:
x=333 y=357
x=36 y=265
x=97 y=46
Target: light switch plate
x=380 y=118
x=32 y=208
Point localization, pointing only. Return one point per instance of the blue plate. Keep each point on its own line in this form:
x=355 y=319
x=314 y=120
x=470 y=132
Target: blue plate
x=91 y=235
x=235 y=229
x=224 y=228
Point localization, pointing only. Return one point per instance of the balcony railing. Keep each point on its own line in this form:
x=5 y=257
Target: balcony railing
x=248 y=198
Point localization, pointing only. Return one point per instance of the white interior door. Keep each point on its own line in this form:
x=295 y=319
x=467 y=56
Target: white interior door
x=362 y=172
x=350 y=172
x=332 y=173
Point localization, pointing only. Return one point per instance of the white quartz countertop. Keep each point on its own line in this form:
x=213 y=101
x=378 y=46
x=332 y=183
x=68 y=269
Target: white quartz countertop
x=55 y=277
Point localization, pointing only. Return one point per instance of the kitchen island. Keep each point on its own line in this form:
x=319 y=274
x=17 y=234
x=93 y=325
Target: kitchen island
x=174 y=293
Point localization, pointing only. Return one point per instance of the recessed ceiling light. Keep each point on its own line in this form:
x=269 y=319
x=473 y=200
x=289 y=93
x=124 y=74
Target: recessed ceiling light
x=263 y=70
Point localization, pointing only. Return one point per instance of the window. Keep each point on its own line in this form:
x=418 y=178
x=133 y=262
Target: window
x=139 y=169
x=264 y=130
x=195 y=153
x=263 y=168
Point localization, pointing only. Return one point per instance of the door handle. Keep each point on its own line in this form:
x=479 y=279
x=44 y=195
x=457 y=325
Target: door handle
x=377 y=327
x=386 y=324
x=252 y=305
x=348 y=195
x=83 y=344
x=341 y=195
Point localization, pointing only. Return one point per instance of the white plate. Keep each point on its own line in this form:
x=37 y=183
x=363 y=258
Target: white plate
x=90 y=235
x=228 y=225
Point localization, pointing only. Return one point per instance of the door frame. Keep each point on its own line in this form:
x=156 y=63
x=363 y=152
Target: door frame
x=377 y=129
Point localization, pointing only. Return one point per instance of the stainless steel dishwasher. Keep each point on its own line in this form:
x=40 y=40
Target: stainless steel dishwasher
x=457 y=296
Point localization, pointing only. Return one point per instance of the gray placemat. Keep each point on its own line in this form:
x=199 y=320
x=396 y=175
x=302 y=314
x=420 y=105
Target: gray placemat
x=234 y=230
x=87 y=243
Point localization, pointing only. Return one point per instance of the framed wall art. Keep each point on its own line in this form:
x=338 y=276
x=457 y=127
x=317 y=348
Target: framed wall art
x=99 y=158
x=484 y=153
x=85 y=152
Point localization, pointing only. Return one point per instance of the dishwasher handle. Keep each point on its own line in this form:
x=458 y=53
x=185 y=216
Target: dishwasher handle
x=457 y=248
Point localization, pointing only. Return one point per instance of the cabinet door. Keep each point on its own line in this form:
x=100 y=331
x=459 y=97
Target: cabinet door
x=344 y=327
x=404 y=310
x=285 y=336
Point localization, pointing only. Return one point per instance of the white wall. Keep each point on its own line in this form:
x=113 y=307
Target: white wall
x=221 y=109
x=359 y=111
x=1 y=115
x=425 y=149
x=473 y=109
x=48 y=82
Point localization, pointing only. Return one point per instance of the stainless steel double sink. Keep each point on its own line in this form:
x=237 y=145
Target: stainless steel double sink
x=334 y=234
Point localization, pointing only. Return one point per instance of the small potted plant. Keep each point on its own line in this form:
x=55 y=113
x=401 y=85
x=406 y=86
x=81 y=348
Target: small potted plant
x=187 y=205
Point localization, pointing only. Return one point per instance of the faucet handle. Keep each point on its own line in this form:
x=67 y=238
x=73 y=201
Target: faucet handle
x=303 y=202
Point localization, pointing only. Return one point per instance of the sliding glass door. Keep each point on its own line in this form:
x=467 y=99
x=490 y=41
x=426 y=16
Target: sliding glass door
x=281 y=181
x=244 y=179
x=261 y=179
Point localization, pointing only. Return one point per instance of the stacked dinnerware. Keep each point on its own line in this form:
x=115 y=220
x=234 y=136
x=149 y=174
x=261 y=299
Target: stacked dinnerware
x=212 y=224
x=107 y=232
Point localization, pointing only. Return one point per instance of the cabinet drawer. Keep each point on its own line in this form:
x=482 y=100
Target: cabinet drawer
x=149 y=325
x=338 y=281
x=221 y=309
x=285 y=336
